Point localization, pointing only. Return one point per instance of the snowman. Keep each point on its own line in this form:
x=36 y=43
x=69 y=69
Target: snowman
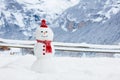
x=43 y=49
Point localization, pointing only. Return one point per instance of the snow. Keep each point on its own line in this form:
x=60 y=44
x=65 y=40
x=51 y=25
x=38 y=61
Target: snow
x=97 y=19
x=7 y=14
x=19 y=18
x=2 y=6
x=63 y=27
x=114 y=10
x=26 y=33
x=29 y=1
x=0 y=22
x=53 y=6
x=69 y=68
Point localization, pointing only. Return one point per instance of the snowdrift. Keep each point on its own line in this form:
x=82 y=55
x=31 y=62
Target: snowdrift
x=68 y=68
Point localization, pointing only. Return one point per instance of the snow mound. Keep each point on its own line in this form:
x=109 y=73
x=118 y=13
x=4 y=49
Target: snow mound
x=19 y=68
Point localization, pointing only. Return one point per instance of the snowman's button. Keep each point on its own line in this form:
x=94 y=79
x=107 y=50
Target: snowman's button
x=43 y=49
x=43 y=53
x=43 y=45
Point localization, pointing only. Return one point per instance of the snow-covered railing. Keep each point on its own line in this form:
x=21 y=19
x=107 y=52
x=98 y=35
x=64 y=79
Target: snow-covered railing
x=59 y=46
x=84 y=45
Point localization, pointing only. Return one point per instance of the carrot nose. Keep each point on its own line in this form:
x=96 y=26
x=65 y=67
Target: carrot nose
x=44 y=33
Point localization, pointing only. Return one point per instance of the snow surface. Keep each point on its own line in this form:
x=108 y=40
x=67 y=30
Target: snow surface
x=69 y=68
x=19 y=19
x=115 y=8
x=0 y=22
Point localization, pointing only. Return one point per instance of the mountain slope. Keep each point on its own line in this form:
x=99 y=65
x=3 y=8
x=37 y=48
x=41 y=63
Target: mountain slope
x=97 y=23
x=71 y=20
x=19 y=18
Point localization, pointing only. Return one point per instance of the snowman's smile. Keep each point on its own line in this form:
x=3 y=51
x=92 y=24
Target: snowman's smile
x=44 y=36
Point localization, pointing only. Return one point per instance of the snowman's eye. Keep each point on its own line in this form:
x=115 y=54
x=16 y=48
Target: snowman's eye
x=41 y=31
x=46 y=31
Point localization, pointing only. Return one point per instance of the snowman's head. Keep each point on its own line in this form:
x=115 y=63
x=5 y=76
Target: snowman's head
x=43 y=32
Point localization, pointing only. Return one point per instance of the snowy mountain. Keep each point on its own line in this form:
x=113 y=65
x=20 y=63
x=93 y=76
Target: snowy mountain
x=89 y=10
x=90 y=21
x=19 y=18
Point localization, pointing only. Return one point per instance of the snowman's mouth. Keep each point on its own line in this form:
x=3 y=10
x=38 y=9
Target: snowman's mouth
x=44 y=36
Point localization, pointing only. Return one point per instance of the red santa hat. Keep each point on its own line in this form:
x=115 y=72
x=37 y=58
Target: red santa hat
x=43 y=24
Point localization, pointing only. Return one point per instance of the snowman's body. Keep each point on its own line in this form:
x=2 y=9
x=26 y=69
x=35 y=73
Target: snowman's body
x=43 y=50
x=42 y=35
x=39 y=51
